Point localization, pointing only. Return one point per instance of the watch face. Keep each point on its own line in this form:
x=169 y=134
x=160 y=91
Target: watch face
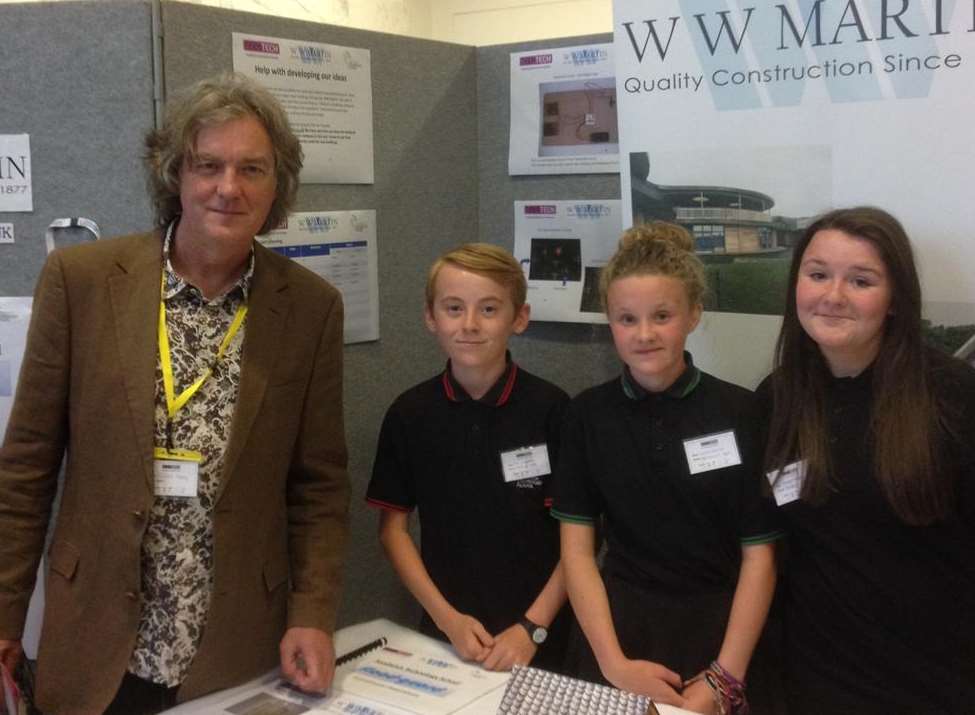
x=539 y=635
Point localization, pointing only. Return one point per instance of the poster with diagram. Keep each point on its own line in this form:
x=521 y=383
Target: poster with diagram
x=563 y=111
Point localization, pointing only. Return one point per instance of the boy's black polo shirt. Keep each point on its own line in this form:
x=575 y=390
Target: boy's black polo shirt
x=623 y=459
x=488 y=545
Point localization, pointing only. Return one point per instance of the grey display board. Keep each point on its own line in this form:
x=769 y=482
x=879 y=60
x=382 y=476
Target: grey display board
x=76 y=77
x=574 y=356
x=425 y=196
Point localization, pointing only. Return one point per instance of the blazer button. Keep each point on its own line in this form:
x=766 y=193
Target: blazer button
x=132 y=595
x=139 y=514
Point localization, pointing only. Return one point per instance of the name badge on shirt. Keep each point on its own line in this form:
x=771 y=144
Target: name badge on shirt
x=525 y=462
x=176 y=472
x=712 y=451
x=787 y=482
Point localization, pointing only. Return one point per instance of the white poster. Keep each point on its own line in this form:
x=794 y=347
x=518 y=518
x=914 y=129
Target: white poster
x=14 y=320
x=563 y=246
x=743 y=120
x=340 y=246
x=327 y=92
x=16 y=192
x=563 y=112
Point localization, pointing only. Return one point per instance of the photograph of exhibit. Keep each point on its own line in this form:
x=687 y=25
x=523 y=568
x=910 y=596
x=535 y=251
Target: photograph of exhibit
x=745 y=247
x=578 y=116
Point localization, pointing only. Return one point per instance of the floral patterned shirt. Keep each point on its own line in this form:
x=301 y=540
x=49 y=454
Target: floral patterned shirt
x=177 y=549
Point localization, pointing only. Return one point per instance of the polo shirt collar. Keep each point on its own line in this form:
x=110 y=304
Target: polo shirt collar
x=681 y=387
x=498 y=395
x=175 y=283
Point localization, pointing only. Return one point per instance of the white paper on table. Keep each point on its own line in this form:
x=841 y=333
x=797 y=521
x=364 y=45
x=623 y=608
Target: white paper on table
x=419 y=682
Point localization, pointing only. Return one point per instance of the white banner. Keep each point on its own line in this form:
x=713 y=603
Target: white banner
x=742 y=120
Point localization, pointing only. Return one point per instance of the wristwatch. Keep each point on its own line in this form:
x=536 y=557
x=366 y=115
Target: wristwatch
x=537 y=633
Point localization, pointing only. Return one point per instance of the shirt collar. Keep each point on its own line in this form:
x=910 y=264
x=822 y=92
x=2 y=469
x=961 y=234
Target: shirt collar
x=498 y=395
x=681 y=387
x=175 y=283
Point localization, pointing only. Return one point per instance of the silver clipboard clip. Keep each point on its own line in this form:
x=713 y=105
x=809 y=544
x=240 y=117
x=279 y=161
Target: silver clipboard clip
x=85 y=224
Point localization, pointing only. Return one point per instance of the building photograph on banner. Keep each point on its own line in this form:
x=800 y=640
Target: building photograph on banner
x=16 y=187
x=562 y=246
x=339 y=246
x=744 y=121
x=327 y=92
x=563 y=111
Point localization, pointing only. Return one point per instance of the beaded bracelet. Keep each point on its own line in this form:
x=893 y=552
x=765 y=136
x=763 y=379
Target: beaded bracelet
x=728 y=691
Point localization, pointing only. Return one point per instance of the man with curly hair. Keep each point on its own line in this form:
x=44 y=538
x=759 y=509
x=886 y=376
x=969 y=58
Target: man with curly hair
x=193 y=378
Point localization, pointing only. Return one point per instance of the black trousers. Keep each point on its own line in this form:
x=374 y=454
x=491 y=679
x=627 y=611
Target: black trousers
x=136 y=696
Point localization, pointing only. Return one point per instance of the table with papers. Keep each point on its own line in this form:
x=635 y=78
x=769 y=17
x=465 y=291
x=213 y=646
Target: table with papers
x=410 y=674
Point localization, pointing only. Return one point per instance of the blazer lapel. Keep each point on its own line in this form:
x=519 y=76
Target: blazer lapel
x=268 y=305
x=134 y=291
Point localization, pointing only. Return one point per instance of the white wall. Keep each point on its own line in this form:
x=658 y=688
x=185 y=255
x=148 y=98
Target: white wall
x=467 y=22
x=495 y=22
x=399 y=17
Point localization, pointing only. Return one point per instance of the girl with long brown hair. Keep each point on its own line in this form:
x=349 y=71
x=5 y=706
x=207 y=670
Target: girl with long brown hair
x=871 y=461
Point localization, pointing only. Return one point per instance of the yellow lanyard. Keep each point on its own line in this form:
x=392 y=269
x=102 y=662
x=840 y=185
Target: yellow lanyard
x=175 y=402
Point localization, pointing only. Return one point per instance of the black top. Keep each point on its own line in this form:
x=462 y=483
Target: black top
x=489 y=545
x=880 y=615
x=623 y=457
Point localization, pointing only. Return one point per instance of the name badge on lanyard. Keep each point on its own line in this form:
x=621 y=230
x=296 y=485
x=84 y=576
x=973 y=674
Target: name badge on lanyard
x=176 y=472
x=525 y=462
x=712 y=451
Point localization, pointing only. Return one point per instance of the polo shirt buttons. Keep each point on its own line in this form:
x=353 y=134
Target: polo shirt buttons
x=658 y=447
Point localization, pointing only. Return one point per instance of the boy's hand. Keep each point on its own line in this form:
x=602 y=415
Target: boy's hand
x=512 y=646
x=468 y=636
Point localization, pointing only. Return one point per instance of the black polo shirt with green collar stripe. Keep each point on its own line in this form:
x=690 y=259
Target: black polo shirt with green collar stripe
x=623 y=459
x=488 y=544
